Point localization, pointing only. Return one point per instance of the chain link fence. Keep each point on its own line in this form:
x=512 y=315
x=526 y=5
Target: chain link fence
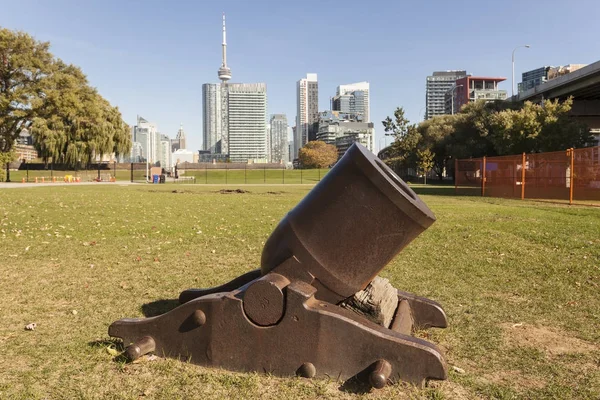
x=572 y=175
x=183 y=173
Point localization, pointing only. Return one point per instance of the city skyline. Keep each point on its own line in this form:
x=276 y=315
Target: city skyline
x=120 y=59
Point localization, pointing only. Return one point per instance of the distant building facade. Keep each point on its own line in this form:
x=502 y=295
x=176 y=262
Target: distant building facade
x=353 y=98
x=212 y=129
x=533 y=78
x=343 y=129
x=247 y=121
x=279 y=138
x=438 y=84
x=307 y=117
x=473 y=88
x=146 y=134
x=165 y=151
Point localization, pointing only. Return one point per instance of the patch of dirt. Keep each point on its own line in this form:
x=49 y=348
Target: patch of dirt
x=515 y=378
x=228 y=191
x=276 y=192
x=550 y=340
x=509 y=297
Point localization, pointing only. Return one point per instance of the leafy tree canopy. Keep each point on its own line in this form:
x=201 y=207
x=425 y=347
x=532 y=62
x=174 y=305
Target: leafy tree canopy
x=69 y=121
x=484 y=129
x=317 y=154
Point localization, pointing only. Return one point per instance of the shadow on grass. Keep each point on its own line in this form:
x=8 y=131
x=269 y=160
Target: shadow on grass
x=434 y=190
x=159 y=307
x=102 y=343
x=357 y=384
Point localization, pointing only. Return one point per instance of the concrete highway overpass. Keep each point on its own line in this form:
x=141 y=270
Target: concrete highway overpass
x=583 y=85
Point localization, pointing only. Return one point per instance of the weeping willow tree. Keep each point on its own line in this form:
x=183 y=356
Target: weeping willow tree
x=74 y=124
x=69 y=121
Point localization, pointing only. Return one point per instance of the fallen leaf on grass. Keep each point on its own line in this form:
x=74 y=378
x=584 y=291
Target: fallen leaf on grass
x=458 y=370
x=112 y=351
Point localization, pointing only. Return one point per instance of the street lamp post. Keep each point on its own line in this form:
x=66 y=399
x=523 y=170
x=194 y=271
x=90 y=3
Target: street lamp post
x=452 y=96
x=513 y=69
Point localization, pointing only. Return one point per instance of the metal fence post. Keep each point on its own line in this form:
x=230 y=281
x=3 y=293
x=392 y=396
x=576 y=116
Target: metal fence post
x=483 y=177
x=572 y=175
x=456 y=176
x=523 y=177
x=131 y=172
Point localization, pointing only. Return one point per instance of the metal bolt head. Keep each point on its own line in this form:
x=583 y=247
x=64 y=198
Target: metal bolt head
x=199 y=317
x=307 y=370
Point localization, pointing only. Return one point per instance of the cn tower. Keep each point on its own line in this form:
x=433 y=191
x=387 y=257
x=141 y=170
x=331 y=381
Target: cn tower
x=224 y=71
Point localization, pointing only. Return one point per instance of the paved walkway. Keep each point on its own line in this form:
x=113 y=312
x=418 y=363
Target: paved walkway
x=16 y=185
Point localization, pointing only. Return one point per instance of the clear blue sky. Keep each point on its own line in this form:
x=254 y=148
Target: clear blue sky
x=152 y=57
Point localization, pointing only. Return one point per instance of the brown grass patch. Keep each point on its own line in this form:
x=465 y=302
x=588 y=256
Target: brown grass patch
x=515 y=378
x=552 y=341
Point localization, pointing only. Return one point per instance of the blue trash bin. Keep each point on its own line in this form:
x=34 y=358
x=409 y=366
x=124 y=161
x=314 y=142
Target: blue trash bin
x=155 y=178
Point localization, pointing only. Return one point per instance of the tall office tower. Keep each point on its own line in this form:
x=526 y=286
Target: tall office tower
x=211 y=117
x=181 y=137
x=307 y=118
x=279 y=137
x=438 y=84
x=165 y=152
x=146 y=134
x=247 y=121
x=353 y=98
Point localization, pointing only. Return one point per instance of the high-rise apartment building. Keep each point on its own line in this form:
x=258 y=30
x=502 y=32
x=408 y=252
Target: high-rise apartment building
x=247 y=130
x=533 y=78
x=473 y=88
x=146 y=134
x=342 y=130
x=307 y=118
x=353 y=98
x=279 y=137
x=438 y=84
x=165 y=152
x=211 y=117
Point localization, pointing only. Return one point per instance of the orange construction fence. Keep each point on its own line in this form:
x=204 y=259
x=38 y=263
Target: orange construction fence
x=571 y=175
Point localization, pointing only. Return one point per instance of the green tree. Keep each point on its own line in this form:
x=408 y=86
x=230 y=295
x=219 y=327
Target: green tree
x=74 y=123
x=69 y=121
x=402 y=151
x=24 y=66
x=425 y=162
x=317 y=154
x=436 y=134
x=538 y=128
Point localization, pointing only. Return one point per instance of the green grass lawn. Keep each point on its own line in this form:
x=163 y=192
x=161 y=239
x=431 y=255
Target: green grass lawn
x=519 y=281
